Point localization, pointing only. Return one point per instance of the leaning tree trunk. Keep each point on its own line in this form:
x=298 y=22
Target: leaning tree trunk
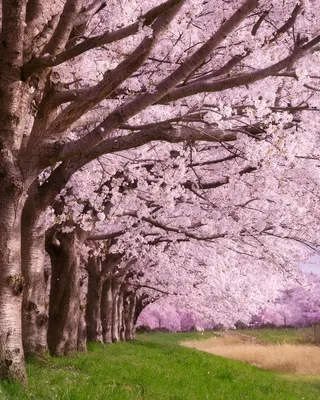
x=34 y=307
x=64 y=305
x=11 y=280
x=141 y=302
x=93 y=307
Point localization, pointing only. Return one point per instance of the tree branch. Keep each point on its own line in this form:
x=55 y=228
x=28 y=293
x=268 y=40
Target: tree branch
x=82 y=20
x=40 y=63
x=239 y=80
x=49 y=189
x=138 y=286
x=63 y=30
x=167 y=228
x=235 y=60
x=112 y=79
x=136 y=139
x=289 y=23
x=106 y=236
x=33 y=15
x=126 y=111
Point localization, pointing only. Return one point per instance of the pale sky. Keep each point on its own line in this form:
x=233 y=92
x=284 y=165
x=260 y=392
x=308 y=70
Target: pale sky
x=312 y=266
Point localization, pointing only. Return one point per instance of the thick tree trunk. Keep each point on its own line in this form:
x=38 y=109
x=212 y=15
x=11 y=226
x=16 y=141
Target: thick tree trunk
x=11 y=281
x=82 y=331
x=93 y=308
x=129 y=316
x=106 y=310
x=64 y=304
x=34 y=307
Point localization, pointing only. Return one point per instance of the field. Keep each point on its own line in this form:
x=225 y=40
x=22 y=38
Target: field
x=277 y=350
x=289 y=336
x=156 y=367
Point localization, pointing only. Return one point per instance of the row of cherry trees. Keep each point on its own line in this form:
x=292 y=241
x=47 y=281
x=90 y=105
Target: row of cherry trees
x=157 y=225
x=298 y=306
x=123 y=83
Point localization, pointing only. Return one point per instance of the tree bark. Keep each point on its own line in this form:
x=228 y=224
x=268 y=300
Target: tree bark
x=64 y=304
x=82 y=325
x=141 y=302
x=93 y=308
x=82 y=331
x=122 y=336
x=11 y=280
x=115 y=311
x=34 y=306
x=106 y=310
x=129 y=316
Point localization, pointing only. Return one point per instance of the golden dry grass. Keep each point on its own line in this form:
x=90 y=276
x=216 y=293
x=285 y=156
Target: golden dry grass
x=299 y=359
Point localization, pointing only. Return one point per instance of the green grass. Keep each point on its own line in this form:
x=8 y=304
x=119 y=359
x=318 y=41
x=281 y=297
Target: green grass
x=290 y=335
x=154 y=367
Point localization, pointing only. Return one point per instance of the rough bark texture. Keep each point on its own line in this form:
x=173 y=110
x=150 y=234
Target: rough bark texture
x=82 y=326
x=82 y=331
x=11 y=284
x=93 y=308
x=34 y=307
x=29 y=96
x=13 y=102
x=115 y=311
x=121 y=315
x=129 y=316
x=106 y=310
x=64 y=304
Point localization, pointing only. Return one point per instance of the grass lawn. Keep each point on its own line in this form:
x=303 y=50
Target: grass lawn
x=290 y=335
x=154 y=367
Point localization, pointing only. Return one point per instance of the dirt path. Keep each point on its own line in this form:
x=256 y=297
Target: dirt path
x=238 y=337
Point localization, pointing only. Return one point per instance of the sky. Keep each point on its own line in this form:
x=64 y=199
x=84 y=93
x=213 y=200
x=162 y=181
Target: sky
x=313 y=265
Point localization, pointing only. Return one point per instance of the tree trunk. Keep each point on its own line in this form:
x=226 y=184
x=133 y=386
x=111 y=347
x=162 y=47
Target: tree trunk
x=141 y=302
x=11 y=280
x=93 y=308
x=64 y=305
x=82 y=325
x=34 y=306
x=82 y=331
x=129 y=316
x=106 y=310
x=121 y=315
x=115 y=312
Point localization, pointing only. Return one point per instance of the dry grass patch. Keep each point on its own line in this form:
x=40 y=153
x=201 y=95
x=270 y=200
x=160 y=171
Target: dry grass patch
x=299 y=359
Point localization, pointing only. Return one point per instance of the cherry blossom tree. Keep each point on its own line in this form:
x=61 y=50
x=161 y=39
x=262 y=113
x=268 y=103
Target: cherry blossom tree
x=169 y=71
x=127 y=198
x=297 y=306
